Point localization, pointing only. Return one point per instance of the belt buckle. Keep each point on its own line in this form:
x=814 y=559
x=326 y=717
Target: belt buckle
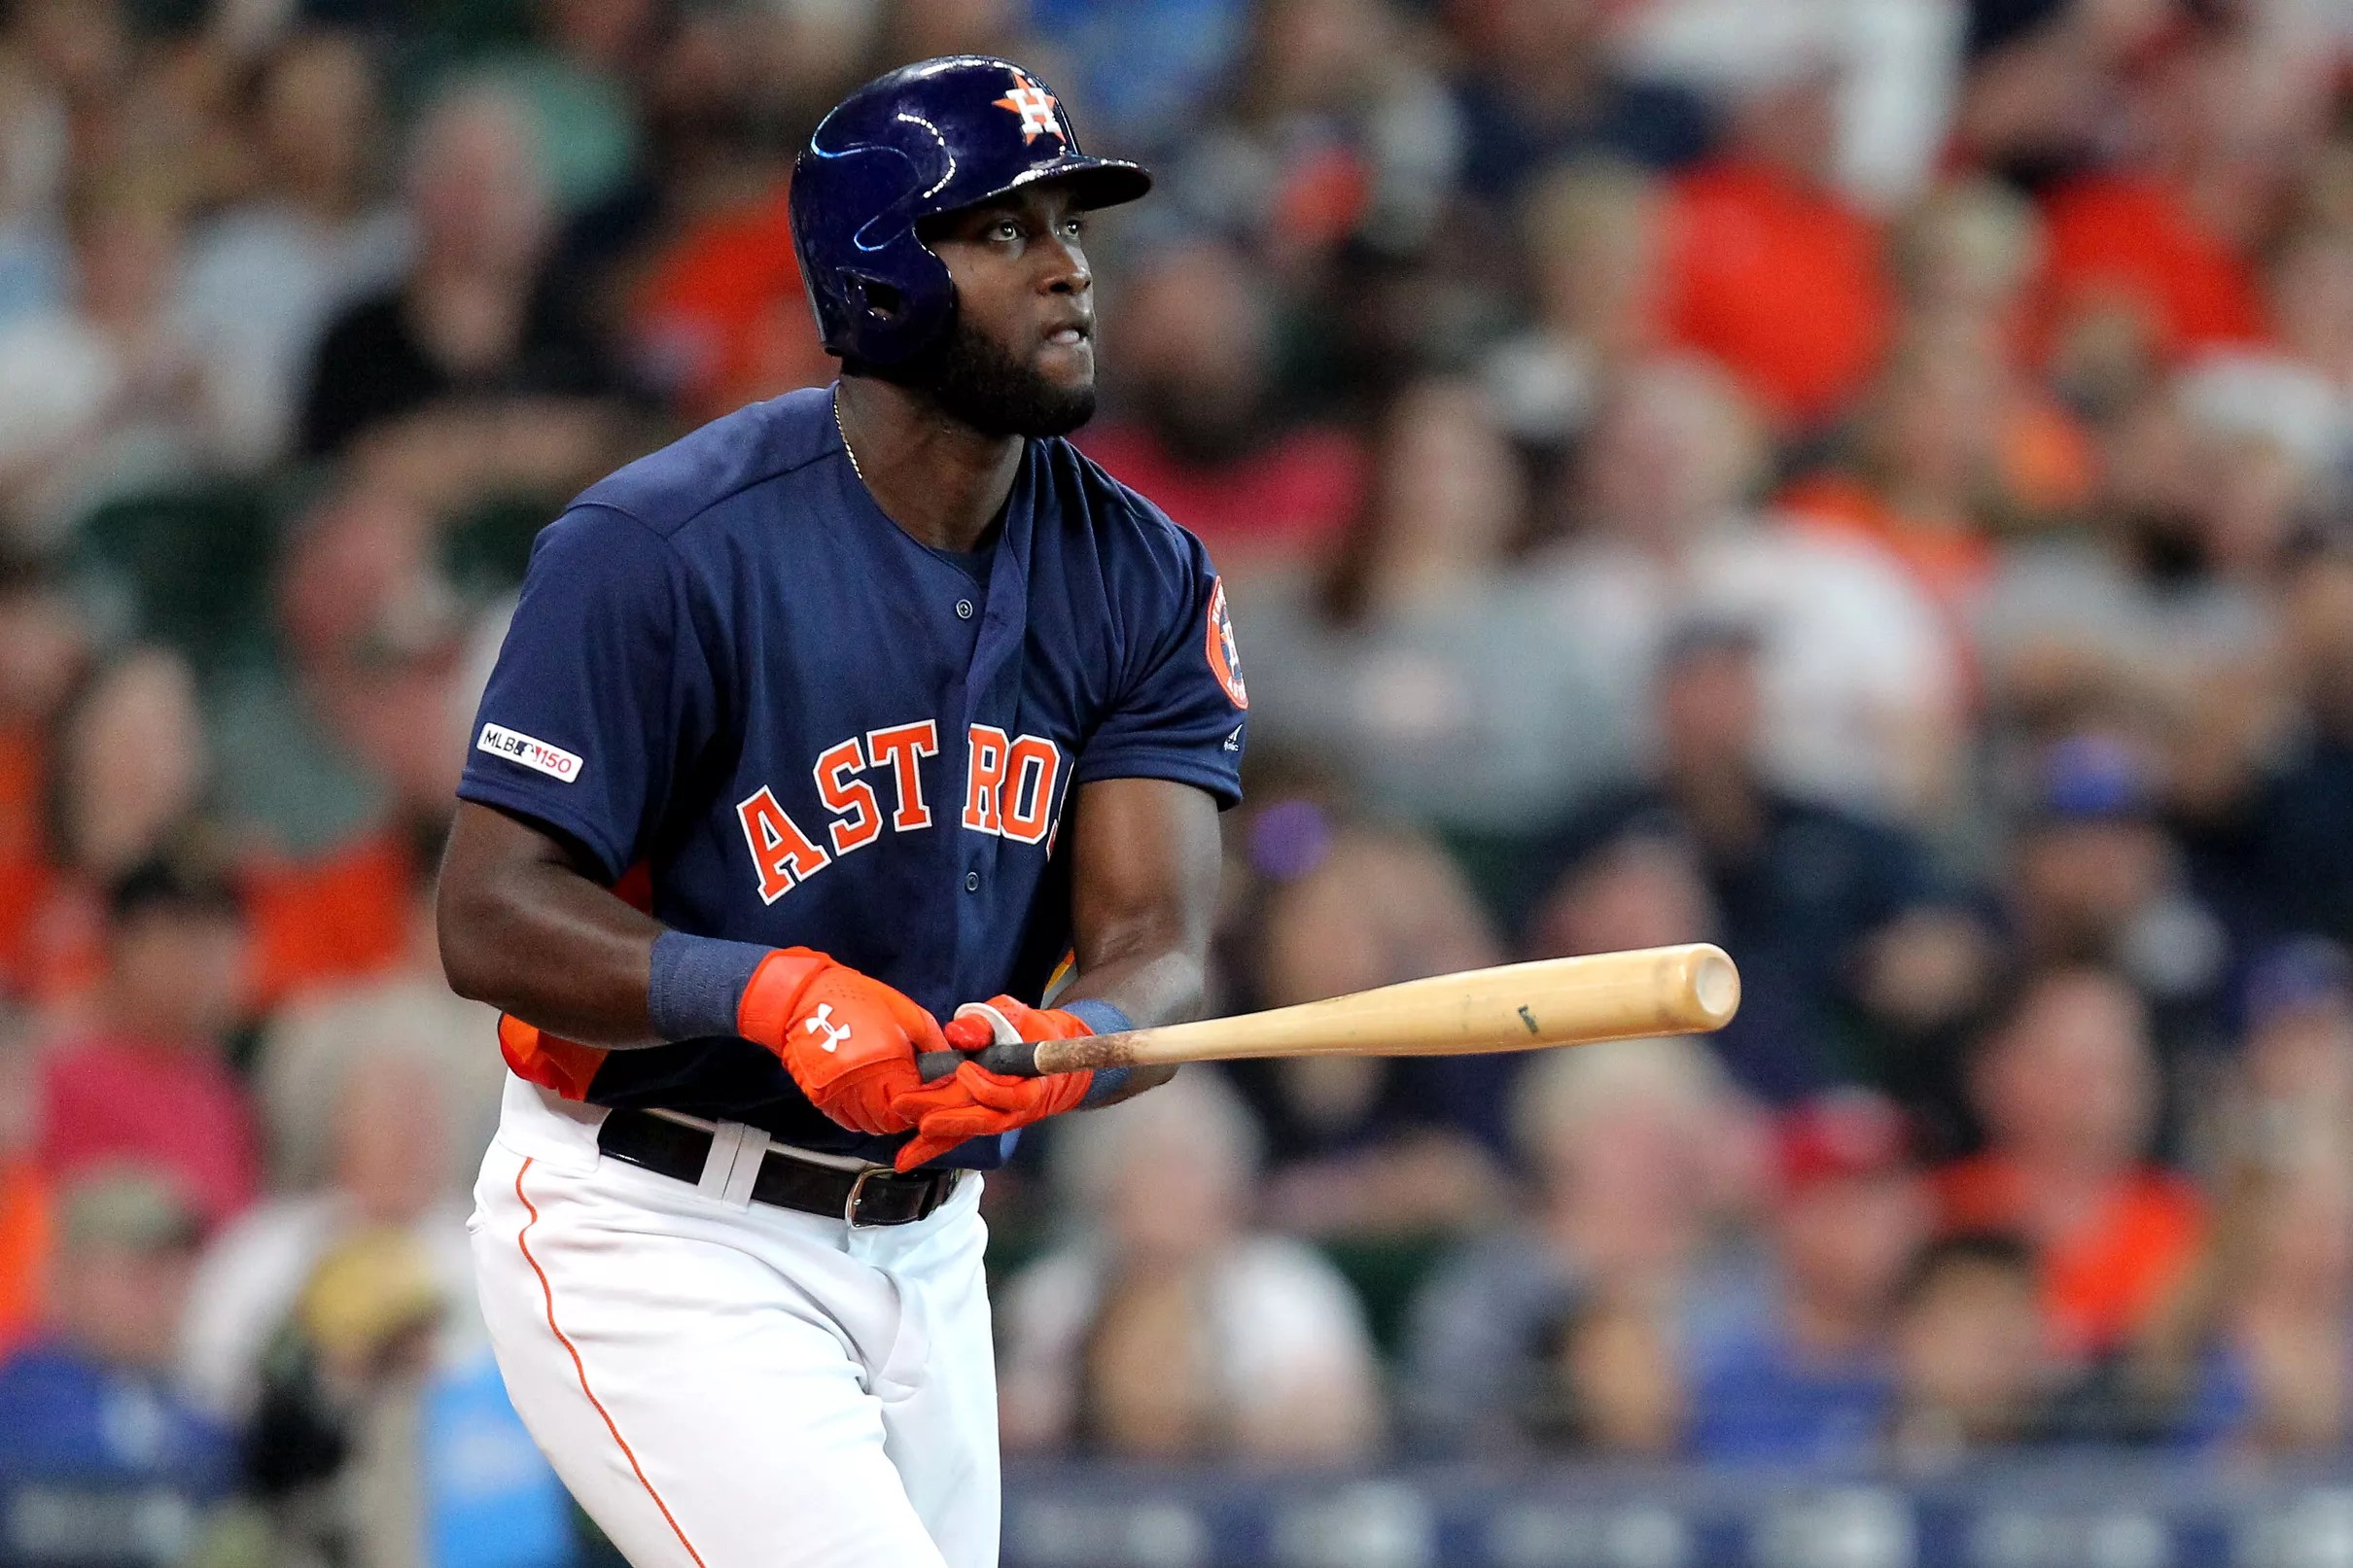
x=858 y=1190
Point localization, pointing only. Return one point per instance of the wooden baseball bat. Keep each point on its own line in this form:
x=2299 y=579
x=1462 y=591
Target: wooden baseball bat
x=1683 y=989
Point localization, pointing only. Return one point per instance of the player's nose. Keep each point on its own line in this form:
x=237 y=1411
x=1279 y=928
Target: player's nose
x=1065 y=267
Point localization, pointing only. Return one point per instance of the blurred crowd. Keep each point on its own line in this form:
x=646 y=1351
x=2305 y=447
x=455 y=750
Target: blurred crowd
x=1867 y=482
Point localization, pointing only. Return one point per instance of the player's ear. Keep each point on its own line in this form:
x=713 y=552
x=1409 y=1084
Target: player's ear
x=883 y=301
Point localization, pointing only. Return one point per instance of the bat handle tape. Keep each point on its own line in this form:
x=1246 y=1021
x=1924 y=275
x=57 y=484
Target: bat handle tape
x=1017 y=1059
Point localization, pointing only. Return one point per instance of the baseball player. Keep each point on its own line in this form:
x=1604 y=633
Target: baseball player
x=850 y=715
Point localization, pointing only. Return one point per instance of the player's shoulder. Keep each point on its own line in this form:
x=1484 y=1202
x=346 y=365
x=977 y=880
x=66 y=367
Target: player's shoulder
x=701 y=474
x=1123 y=522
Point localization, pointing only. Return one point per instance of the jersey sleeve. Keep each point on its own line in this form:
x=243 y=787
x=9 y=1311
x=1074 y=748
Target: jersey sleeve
x=601 y=691
x=1182 y=705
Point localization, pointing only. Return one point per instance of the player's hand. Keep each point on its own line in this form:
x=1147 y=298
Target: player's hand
x=1002 y=1021
x=976 y=1102
x=847 y=1039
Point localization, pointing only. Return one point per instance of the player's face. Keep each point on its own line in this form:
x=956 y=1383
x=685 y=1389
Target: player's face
x=1020 y=357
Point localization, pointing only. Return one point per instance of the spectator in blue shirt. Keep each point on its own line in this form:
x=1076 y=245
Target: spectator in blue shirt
x=1542 y=85
x=1803 y=1377
x=1805 y=892
x=100 y=1460
x=2304 y=818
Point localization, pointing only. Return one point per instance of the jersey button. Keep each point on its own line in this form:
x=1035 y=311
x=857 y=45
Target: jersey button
x=963 y=609
x=971 y=882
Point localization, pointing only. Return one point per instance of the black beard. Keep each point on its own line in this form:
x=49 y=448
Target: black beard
x=976 y=382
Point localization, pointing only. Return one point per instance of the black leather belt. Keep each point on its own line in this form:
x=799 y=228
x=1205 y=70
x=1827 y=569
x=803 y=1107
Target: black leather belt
x=876 y=1194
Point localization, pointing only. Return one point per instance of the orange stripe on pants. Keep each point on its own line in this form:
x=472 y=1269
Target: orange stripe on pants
x=522 y=1241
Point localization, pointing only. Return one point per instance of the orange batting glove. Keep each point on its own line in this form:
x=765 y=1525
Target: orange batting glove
x=847 y=1039
x=979 y=1103
x=1002 y=1021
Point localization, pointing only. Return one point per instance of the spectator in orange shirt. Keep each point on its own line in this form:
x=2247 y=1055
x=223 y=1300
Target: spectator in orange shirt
x=44 y=647
x=2156 y=261
x=1954 y=445
x=337 y=759
x=1923 y=478
x=721 y=319
x=25 y=1245
x=2067 y=1089
x=2129 y=257
x=1966 y=262
x=1769 y=268
x=25 y=1207
x=1950 y=454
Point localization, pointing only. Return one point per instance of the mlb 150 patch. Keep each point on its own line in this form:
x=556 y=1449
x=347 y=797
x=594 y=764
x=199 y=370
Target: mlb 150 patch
x=552 y=760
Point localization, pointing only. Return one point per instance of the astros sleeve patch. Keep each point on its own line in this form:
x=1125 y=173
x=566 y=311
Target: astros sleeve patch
x=1177 y=717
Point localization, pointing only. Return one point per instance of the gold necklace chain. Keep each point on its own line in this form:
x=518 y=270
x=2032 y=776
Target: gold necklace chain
x=847 y=449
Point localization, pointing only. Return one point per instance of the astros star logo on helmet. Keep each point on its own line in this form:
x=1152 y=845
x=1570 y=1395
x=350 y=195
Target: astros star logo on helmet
x=1035 y=106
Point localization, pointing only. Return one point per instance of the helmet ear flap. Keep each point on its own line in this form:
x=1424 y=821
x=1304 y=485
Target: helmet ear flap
x=891 y=312
x=885 y=305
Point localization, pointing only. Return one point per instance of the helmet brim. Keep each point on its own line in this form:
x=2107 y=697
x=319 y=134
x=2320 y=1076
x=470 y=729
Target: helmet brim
x=1094 y=182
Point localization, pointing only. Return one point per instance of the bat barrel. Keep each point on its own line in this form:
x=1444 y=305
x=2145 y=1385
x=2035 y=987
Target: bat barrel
x=1684 y=990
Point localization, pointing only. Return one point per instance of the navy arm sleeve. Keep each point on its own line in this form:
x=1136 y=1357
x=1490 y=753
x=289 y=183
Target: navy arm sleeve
x=602 y=692
x=1182 y=704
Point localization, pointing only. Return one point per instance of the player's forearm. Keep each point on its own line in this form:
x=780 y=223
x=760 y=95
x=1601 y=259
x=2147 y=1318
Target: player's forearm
x=525 y=932
x=548 y=951
x=1143 y=897
x=1148 y=989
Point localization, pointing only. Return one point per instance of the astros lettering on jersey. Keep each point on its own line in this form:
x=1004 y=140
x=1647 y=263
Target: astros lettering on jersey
x=654 y=704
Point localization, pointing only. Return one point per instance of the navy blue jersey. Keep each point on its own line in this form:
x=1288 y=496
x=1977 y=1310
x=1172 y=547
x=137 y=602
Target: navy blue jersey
x=733 y=681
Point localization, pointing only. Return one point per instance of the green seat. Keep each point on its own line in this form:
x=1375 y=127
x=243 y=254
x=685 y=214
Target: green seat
x=1498 y=867
x=462 y=26
x=1386 y=1272
x=485 y=547
x=190 y=568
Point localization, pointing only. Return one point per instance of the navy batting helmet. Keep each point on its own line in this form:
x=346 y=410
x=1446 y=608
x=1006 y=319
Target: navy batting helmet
x=926 y=139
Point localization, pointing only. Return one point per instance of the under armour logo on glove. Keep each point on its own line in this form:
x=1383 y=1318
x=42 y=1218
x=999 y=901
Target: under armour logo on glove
x=822 y=1022
x=852 y=1068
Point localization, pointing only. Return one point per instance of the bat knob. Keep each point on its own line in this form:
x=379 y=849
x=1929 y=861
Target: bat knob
x=1715 y=985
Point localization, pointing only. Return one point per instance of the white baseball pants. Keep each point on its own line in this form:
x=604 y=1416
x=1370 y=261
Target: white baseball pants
x=727 y=1384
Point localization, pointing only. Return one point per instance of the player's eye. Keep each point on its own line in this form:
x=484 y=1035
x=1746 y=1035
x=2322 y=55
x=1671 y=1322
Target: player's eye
x=1073 y=228
x=1005 y=228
